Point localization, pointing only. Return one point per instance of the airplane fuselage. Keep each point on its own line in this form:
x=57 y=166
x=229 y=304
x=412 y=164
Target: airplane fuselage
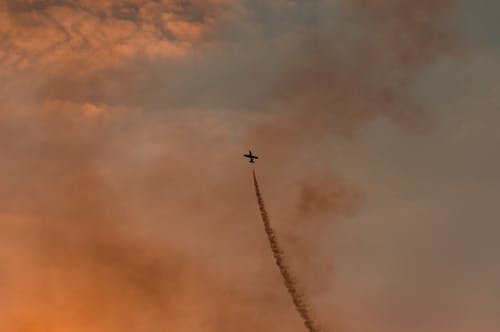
x=251 y=157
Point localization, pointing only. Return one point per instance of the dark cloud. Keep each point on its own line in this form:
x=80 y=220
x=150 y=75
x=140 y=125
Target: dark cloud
x=323 y=195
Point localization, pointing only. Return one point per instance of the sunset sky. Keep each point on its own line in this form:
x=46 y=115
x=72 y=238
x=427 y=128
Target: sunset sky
x=126 y=204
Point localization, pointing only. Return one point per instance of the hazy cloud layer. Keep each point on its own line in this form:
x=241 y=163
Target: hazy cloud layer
x=124 y=203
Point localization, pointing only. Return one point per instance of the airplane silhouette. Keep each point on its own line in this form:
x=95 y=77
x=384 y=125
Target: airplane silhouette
x=250 y=156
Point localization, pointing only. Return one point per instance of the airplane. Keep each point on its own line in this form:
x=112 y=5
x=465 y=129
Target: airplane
x=250 y=156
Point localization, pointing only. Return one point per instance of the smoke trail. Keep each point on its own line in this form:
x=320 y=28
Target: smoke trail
x=279 y=256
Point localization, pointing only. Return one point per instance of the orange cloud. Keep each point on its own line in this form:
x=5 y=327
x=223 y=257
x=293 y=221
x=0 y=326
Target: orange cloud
x=93 y=35
x=124 y=205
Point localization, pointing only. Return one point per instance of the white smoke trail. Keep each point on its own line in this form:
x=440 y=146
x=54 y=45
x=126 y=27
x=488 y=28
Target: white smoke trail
x=279 y=256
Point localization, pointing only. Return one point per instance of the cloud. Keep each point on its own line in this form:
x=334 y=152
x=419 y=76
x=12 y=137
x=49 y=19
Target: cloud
x=124 y=204
x=323 y=195
x=92 y=35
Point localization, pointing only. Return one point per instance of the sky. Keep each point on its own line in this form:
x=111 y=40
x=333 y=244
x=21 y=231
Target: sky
x=126 y=204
